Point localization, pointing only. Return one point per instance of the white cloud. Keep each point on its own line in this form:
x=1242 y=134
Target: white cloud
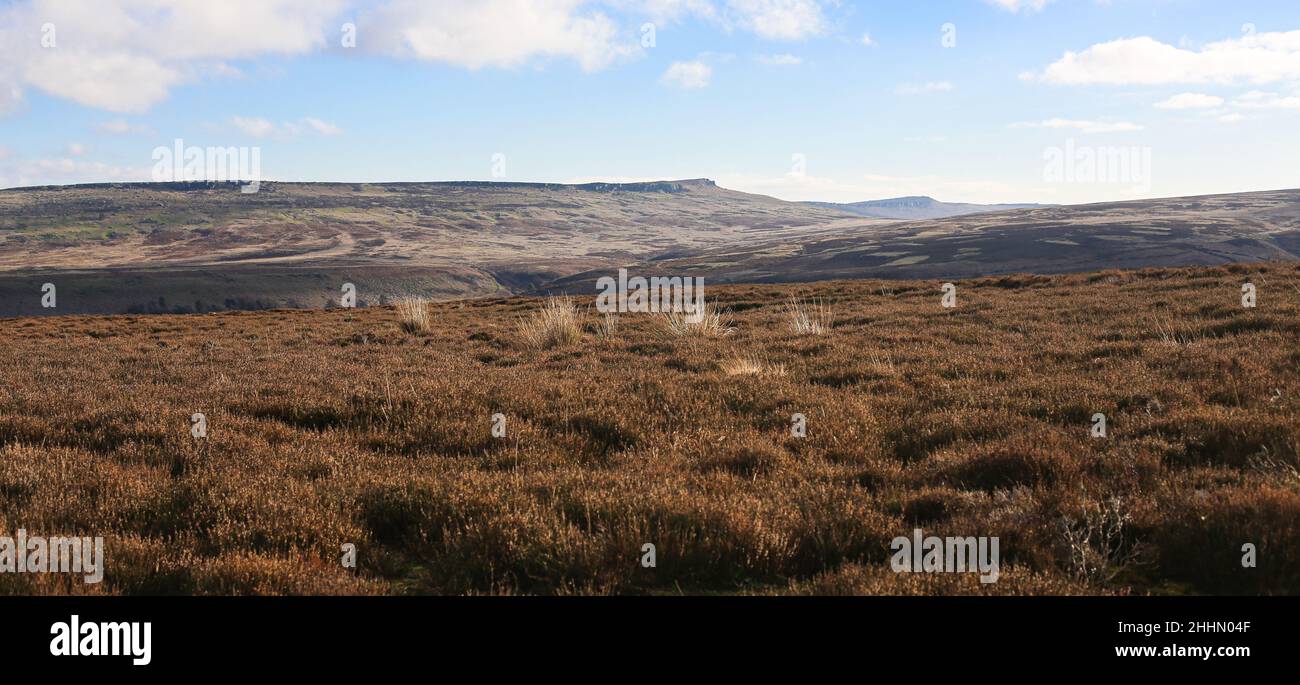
x=770 y=19
x=11 y=96
x=1256 y=58
x=324 y=128
x=115 y=82
x=1257 y=99
x=779 y=19
x=122 y=127
x=1082 y=125
x=1017 y=5
x=687 y=75
x=674 y=10
x=127 y=55
x=74 y=149
x=1231 y=118
x=867 y=40
x=928 y=87
x=783 y=60
x=259 y=127
x=256 y=127
x=493 y=33
x=20 y=172
x=1190 y=101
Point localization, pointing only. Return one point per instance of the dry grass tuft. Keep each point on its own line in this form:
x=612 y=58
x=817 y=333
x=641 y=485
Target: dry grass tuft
x=1170 y=332
x=751 y=366
x=713 y=324
x=413 y=313
x=557 y=324
x=812 y=317
x=607 y=327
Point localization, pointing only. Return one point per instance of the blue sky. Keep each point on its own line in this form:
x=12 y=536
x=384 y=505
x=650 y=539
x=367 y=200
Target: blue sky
x=782 y=97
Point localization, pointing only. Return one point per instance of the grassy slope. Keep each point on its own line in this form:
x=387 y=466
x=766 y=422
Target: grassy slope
x=329 y=427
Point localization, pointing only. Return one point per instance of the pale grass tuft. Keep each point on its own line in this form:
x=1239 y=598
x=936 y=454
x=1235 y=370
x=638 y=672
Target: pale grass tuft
x=413 y=313
x=751 y=366
x=808 y=318
x=882 y=363
x=557 y=323
x=607 y=327
x=713 y=324
x=1170 y=333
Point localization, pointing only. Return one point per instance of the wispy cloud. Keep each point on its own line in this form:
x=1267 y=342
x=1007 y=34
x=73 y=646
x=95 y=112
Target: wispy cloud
x=688 y=75
x=323 y=128
x=1017 y=5
x=122 y=127
x=256 y=127
x=27 y=172
x=259 y=127
x=1190 y=101
x=779 y=19
x=1083 y=125
x=1257 y=99
x=928 y=87
x=783 y=60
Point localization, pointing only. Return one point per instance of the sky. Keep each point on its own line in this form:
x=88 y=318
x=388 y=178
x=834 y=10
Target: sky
x=1055 y=101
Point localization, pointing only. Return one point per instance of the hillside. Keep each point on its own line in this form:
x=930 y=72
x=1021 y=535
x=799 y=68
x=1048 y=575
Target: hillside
x=124 y=246
x=118 y=248
x=1180 y=231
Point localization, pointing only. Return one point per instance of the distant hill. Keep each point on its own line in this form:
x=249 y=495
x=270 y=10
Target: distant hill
x=117 y=247
x=200 y=247
x=917 y=207
x=1164 y=232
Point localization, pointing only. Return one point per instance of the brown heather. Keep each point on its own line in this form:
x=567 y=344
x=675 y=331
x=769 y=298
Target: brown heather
x=330 y=427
